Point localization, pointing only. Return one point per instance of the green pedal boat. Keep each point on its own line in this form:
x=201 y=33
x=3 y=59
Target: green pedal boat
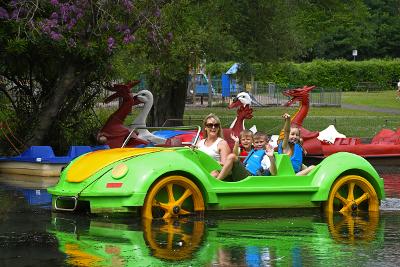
x=162 y=182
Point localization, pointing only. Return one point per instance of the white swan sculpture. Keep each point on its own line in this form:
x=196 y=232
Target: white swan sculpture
x=145 y=97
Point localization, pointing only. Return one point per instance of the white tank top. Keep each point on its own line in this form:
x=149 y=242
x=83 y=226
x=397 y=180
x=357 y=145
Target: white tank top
x=211 y=150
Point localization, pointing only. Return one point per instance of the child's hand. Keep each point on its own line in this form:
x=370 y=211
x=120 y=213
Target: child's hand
x=269 y=151
x=235 y=138
x=286 y=116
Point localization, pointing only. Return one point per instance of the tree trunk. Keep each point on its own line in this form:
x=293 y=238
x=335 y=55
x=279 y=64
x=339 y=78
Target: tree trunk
x=49 y=112
x=169 y=104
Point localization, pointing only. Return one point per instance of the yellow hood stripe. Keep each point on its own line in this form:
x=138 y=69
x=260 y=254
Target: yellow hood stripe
x=91 y=163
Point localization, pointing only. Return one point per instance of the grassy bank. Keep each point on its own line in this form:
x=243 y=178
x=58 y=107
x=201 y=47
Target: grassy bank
x=347 y=121
x=381 y=99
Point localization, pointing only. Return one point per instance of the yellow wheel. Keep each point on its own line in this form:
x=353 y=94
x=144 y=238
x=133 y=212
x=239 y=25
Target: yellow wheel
x=173 y=239
x=351 y=193
x=172 y=196
x=346 y=228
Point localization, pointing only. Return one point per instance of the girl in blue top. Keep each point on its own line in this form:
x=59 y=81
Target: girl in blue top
x=291 y=146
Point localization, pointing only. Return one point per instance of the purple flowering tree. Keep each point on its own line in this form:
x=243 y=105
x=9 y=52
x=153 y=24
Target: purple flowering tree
x=55 y=55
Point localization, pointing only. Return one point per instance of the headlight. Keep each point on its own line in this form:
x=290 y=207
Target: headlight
x=119 y=171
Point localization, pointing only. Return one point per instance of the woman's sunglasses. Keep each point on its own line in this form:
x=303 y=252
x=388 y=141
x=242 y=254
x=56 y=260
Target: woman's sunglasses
x=211 y=125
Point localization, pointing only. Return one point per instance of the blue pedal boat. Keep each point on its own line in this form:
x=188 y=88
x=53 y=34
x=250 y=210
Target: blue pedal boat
x=41 y=160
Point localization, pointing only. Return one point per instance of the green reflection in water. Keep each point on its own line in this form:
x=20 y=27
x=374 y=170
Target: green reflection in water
x=258 y=241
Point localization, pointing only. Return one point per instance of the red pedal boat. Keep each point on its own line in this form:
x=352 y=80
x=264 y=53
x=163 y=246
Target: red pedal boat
x=383 y=148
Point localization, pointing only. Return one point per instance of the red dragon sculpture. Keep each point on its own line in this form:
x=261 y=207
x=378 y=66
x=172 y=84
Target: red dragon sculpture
x=114 y=132
x=386 y=144
x=244 y=112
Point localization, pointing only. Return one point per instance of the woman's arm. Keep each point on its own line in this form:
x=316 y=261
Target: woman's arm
x=224 y=150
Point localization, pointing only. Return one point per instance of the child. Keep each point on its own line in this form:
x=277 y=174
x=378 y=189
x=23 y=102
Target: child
x=291 y=146
x=260 y=161
x=243 y=146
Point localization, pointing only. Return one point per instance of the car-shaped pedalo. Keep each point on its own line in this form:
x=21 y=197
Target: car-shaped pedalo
x=165 y=182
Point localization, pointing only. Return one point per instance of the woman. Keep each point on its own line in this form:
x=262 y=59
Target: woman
x=213 y=142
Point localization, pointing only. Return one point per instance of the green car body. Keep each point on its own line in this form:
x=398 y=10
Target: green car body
x=107 y=189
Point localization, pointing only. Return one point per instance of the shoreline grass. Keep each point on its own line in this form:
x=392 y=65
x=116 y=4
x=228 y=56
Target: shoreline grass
x=377 y=99
x=351 y=122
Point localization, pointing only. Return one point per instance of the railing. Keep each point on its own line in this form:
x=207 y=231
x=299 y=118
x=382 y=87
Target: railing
x=270 y=94
x=367 y=86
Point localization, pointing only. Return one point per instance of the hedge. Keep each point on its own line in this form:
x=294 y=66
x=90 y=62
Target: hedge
x=374 y=74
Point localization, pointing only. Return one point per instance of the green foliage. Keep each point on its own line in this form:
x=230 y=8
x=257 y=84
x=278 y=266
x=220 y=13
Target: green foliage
x=79 y=130
x=381 y=74
x=55 y=58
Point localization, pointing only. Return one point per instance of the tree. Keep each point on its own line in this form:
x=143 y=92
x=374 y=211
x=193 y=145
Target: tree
x=218 y=30
x=189 y=28
x=385 y=16
x=56 y=54
x=334 y=28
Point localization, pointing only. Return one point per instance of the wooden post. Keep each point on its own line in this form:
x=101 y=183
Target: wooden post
x=194 y=87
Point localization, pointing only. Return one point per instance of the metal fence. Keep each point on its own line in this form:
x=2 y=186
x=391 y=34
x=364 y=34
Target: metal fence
x=270 y=94
x=266 y=93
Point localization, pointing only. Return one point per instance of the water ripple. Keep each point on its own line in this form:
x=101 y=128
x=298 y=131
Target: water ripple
x=390 y=204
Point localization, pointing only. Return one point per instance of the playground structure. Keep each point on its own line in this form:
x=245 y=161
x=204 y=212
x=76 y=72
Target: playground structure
x=220 y=88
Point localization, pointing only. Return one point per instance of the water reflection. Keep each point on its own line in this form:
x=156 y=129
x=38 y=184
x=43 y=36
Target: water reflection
x=265 y=241
x=173 y=239
x=392 y=184
x=31 y=188
x=353 y=228
x=30 y=232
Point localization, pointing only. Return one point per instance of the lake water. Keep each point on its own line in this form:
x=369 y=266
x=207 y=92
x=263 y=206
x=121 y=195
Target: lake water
x=31 y=235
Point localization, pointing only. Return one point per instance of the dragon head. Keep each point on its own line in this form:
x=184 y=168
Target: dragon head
x=298 y=94
x=121 y=90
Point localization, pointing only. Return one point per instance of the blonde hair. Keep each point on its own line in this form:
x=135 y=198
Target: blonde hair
x=246 y=132
x=261 y=135
x=215 y=117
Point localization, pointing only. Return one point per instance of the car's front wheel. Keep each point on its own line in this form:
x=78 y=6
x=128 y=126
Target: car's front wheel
x=352 y=193
x=172 y=196
x=175 y=239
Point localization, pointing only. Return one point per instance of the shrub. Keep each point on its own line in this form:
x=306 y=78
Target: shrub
x=374 y=74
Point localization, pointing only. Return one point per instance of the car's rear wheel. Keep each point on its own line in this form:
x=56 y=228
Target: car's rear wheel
x=352 y=193
x=349 y=228
x=173 y=196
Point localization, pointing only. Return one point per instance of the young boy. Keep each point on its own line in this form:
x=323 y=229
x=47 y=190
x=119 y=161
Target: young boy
x=291 y=146
x=243 y=145
x=260 y=161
